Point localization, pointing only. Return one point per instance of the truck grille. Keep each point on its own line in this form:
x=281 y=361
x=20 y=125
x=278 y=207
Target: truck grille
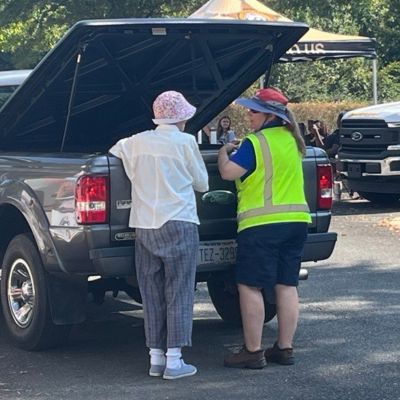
x=366 y=138
x=363 y=123
x=363 y=149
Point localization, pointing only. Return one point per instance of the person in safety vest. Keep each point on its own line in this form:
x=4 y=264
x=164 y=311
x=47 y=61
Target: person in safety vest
x=272 y=224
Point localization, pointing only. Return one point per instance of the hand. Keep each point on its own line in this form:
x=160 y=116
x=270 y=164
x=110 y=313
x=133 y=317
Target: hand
x=314 y=130
x=229 y=147
x=207 y=130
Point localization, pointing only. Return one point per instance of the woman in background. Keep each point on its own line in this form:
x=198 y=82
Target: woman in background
x=224 y=132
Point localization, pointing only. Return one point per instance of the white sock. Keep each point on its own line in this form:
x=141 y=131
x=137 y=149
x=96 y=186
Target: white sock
x=174 y=355
x=157 y=356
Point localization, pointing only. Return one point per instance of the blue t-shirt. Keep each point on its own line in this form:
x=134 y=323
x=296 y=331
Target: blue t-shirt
x=245 y=155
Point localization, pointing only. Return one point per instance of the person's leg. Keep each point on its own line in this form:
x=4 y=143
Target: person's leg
x=174 y=356
x=287 y=301
x=256 y=268
x=150 y=275
x=180 y=261
x=288 y=279
x=253 y=313
x=157 y=362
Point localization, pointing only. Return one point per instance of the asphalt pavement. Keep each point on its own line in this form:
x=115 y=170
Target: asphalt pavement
x=347 y=345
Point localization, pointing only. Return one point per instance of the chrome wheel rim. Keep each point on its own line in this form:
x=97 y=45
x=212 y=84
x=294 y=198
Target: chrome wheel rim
x=21 y=293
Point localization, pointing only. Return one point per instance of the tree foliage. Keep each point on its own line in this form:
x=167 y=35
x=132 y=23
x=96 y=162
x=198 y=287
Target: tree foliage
x=349 y=79
x=29 y=28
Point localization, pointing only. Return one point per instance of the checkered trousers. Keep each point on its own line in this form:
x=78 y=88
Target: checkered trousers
x=166 y=260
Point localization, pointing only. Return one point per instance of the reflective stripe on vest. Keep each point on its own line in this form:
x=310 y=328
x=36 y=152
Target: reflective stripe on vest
x=268 y=208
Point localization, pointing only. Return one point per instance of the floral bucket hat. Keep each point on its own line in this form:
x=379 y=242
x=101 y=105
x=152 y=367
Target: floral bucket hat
x=171 y=107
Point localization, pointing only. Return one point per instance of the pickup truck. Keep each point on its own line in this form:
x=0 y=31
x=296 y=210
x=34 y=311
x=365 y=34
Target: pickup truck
x=65 y=201
x=369 y=153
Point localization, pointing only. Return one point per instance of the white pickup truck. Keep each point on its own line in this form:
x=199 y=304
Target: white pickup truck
x=369 y=153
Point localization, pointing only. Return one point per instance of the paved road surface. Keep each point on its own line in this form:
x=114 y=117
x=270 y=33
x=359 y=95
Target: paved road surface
x=347 y=345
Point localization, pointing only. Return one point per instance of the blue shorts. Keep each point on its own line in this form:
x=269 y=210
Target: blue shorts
x=270 y=254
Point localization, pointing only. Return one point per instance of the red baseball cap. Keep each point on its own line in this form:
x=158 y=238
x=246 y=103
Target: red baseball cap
x=270 y=94
x=269 y=101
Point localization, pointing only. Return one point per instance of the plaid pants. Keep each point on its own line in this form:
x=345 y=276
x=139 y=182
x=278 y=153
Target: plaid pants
x=166 y=260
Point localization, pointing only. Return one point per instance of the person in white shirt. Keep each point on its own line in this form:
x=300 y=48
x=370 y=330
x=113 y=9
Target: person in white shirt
x=165 y=167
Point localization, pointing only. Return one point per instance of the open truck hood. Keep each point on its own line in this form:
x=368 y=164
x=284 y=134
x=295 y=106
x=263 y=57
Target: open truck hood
x=123 y=65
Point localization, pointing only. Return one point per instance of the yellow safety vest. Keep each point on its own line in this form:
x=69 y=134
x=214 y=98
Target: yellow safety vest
x=274 y=191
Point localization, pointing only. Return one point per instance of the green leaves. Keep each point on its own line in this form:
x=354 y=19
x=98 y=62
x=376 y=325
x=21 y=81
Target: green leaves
x=347 y=79
x=29 y=28
x=390 y=81
x=330 y=80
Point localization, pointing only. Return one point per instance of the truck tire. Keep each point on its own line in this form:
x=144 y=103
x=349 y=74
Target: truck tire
x=225 y=298
x=381 y=198
x=24 y=298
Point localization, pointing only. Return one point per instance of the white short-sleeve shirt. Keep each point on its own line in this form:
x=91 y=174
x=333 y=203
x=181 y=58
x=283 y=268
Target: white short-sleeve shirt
x=165 y=167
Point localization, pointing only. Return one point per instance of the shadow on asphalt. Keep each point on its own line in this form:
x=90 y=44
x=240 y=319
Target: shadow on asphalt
x=356 y=207
x=344 y=348
x=118 y=322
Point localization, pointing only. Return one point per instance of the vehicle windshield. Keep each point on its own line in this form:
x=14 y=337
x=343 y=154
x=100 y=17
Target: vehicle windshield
x=5 y=93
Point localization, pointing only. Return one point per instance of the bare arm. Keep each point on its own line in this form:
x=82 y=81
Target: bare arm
x=319 y=141
x=228 y=169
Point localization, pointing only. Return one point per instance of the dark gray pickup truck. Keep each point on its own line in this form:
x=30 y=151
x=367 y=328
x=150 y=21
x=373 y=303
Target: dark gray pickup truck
x=64 y=201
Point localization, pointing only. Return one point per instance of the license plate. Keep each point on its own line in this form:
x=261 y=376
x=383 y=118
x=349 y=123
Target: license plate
x=354 y=170
x=217 y=252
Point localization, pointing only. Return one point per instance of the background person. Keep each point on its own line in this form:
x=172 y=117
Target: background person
x=272 y=224
x=305 y=134
x=224 y=132
x=318 y=132
x=165 y=167
x=332 y=141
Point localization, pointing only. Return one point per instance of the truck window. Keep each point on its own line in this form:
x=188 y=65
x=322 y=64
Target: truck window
x=5 y=93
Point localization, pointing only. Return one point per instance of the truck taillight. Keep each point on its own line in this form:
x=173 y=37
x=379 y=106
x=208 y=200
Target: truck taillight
x=91 y=199
x=325 y=185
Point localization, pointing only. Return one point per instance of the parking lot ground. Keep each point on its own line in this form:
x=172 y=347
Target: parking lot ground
x=347 y=344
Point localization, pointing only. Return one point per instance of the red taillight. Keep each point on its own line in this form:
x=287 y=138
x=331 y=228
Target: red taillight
x=91 y=199
x=325 y=185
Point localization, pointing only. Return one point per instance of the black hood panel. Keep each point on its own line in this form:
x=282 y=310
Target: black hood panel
x=124 y=65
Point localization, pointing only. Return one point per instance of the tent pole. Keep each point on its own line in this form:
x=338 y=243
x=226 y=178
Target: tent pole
x=375 y=79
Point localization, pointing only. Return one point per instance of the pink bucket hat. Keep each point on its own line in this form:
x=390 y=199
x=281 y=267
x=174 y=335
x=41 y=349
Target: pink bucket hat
x=171 y=107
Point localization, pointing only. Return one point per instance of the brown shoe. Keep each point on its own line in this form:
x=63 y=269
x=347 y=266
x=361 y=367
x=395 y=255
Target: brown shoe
x=280 y=356
x=246 y=359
